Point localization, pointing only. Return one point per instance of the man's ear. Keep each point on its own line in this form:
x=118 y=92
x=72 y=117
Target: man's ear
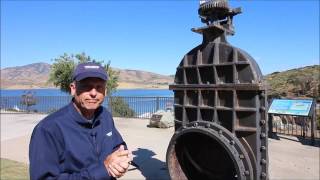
x=106 y=91
x=73 y=88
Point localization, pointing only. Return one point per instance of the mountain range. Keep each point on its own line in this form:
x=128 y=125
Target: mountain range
x=299 y=82
x=36 y=76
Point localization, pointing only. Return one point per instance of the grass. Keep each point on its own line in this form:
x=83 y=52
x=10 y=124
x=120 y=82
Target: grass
x=13 y=170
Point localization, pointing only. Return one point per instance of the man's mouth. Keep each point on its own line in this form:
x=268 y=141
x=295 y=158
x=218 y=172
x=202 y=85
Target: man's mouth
x=92 y=101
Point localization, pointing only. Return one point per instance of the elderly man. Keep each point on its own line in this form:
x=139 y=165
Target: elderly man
x=80 y=141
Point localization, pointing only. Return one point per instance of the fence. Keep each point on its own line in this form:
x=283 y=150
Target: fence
x=293 y=126
x=141 y=107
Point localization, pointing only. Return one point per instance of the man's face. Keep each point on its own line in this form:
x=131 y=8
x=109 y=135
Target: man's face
x=88 y=93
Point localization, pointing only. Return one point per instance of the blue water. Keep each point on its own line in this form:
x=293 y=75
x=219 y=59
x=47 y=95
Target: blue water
x=58 y=92
x=48 y=100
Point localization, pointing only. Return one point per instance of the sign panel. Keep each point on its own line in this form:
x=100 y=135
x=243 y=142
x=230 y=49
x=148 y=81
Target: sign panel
x=298 y=107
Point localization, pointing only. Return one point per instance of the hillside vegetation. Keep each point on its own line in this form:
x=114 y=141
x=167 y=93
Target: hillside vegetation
x=300 y=82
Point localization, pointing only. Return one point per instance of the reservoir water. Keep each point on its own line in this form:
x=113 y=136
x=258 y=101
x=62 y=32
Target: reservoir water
x=142 y=101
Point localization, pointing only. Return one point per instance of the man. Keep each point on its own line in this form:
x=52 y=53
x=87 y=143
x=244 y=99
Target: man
x=80 y=141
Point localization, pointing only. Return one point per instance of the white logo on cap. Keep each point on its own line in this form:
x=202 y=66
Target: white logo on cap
x=91 y=67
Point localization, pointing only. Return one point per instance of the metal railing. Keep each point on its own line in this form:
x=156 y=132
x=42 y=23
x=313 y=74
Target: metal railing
x=293 y=126
x=135 y=107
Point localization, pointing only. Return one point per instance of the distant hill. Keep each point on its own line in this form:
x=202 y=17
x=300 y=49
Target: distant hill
x=142 y=79
x=24 y=77
x=299 y=82
x=36 y=76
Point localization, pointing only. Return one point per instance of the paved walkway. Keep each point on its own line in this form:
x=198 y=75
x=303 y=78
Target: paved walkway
x=290 y=158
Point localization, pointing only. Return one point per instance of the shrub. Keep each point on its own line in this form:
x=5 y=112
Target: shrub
x=120 y=108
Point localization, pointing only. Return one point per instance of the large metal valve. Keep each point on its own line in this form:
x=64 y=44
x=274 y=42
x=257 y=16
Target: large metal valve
x=219 y=105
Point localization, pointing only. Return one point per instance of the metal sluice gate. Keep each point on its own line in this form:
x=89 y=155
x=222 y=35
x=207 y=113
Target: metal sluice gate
x=219 y=106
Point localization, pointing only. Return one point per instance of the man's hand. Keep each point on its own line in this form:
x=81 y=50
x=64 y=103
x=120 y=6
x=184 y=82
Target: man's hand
x=118 y=162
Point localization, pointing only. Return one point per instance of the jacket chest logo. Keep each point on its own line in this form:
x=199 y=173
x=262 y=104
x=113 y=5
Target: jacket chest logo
x=109 y=134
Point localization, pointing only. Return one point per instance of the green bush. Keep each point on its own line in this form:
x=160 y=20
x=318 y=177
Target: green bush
x=120 y=108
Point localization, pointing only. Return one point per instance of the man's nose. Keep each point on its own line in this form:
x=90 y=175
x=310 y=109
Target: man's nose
x=93 y=92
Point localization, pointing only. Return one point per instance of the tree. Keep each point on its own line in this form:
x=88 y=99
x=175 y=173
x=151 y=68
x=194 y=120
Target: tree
x=62 y=68
x=113 y=78
x=28 y=100
x=61 y=72
x=61 y=76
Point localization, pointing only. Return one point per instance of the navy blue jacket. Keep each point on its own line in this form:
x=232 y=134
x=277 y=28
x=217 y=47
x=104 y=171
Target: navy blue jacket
x=65 y=145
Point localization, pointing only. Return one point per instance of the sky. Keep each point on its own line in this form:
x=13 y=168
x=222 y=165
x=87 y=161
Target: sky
x=154 y=35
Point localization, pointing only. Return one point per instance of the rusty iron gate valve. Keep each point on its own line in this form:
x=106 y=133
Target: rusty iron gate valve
x=219 y=106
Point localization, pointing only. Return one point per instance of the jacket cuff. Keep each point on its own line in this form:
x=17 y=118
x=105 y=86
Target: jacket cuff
x=98 y=171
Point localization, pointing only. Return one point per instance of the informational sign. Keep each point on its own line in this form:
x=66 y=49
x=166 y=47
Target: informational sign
x=298 y=107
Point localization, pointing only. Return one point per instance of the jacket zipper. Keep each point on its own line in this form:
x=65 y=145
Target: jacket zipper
x=95 y=147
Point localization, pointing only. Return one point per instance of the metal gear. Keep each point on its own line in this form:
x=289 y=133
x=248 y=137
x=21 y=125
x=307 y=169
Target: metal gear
x=213 y=10
x=214 y=4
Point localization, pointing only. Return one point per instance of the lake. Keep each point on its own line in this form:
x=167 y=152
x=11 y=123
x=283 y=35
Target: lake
x=58 y=92
x=142 y=101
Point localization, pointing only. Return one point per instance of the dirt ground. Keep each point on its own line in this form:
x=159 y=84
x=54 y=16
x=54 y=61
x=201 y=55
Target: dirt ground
x=289 y=157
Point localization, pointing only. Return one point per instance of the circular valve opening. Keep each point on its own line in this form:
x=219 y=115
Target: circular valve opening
x=203 y=154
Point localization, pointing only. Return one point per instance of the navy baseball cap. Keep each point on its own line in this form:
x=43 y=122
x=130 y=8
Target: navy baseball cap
x=90 y=69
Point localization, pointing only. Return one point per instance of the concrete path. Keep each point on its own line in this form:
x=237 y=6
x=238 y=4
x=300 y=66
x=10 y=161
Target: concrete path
x=17 y=125
x=290 y=158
